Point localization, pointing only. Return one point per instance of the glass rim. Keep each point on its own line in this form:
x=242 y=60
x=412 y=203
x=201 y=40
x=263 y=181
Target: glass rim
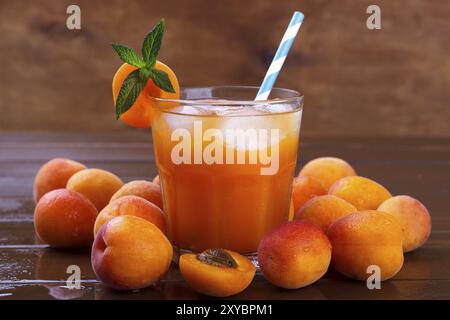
x=296 y=97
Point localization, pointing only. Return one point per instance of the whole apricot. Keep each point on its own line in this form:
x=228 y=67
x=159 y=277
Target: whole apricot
x=327 y=170
x=294 y=255
x=414 y=218
x=130 y=253
x=364 y=239
x=141 y=112
x=96 y=184
x=141 y=188
x=54 y=175
x=363 y=193
x=64 y=219
x=217 y=272
x=156 y=180
x=132 y=206
x=305 y=188
x=322 y=211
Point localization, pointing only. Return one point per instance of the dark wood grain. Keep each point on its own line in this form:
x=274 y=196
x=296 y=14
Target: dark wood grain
x=29 y=269
x=432 y=262
x=390 y=82
x=335 y=289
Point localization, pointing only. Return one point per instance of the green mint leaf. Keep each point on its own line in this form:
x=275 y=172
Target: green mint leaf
x=152 y=43
x=161 y=80
x=128 y=55
x=144 y=73
x=129 y=92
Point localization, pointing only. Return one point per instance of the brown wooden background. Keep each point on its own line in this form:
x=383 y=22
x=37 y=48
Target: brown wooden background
x=391 y=82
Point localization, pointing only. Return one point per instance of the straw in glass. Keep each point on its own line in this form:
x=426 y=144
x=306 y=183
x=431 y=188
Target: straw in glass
x=280 y=56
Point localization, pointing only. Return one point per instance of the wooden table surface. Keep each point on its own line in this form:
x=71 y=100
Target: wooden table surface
x=29 y=270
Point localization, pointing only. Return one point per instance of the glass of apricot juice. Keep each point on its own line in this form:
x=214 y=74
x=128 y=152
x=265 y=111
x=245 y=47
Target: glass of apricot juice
x=226 y=164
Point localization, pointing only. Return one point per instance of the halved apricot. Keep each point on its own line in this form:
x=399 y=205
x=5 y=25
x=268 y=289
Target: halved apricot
x=141 y=112
x=217 y=272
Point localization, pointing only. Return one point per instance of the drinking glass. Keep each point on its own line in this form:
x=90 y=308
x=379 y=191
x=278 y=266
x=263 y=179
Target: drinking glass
x=226 y=164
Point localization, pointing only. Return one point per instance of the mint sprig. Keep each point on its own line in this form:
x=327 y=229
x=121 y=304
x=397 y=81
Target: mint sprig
x=135 y=82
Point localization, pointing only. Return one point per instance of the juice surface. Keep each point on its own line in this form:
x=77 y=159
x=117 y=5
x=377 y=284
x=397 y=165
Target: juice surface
x=223 y=205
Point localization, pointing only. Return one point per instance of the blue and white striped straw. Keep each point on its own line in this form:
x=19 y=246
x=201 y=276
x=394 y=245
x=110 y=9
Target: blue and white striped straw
x=280 y=56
